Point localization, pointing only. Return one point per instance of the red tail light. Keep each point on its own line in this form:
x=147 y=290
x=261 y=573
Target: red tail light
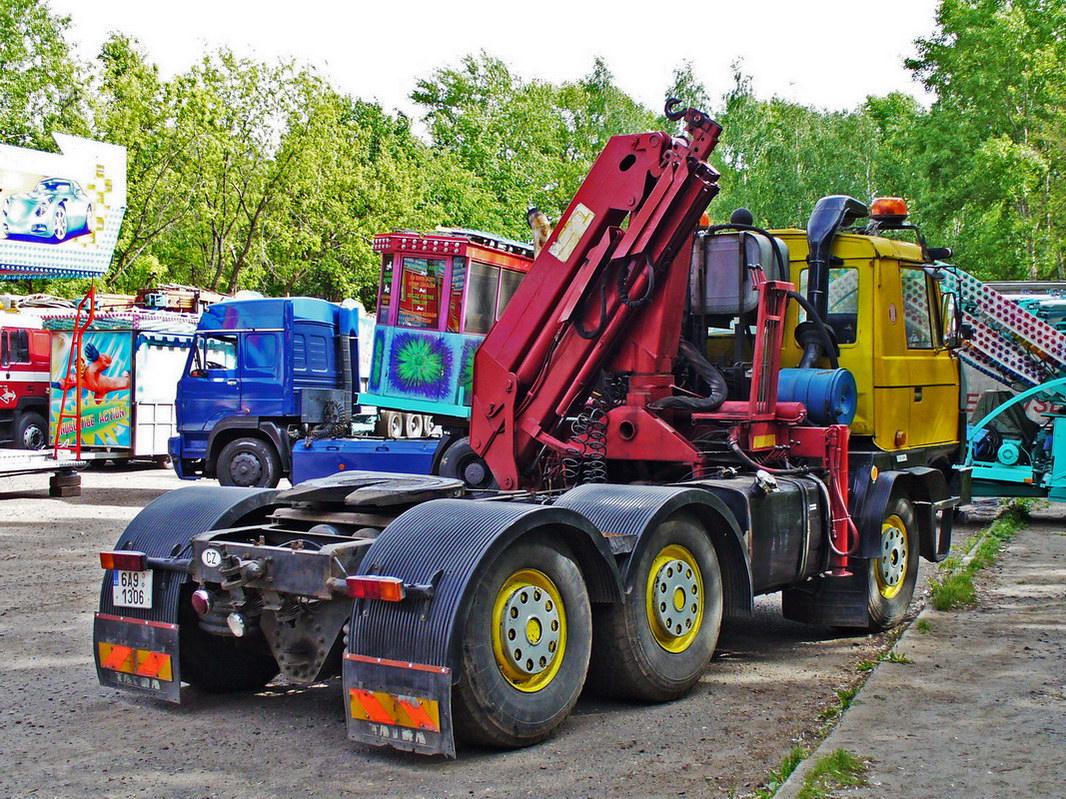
x=369 y=586
x=124 y=560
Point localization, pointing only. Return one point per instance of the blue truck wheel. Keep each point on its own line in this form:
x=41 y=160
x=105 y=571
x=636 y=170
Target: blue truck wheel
x=249 y=462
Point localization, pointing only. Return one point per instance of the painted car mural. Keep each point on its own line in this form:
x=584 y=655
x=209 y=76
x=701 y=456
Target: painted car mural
x=56 y=209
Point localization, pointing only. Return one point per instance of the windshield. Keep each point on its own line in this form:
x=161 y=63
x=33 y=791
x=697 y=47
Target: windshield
x=51 y=187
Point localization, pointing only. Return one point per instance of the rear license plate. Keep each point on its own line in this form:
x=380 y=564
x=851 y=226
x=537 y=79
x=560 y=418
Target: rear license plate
x=131 y=589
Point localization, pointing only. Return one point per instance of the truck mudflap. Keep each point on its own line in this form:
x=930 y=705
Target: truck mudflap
x=399 y=704
x=137 y=655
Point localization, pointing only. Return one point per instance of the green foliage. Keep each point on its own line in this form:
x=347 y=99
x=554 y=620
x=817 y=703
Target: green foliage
x=41 y=83
x=838 y=769
x=994 y=138
x=924 y=626
x=528 y=142
x=252 y=174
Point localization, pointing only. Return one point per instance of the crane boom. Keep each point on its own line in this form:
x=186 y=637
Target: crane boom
x=590 y=286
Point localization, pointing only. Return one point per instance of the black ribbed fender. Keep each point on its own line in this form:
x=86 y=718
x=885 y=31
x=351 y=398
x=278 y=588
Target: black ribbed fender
x=455 y=537
x=632 y=509
x=164 y=528
x=918 y=484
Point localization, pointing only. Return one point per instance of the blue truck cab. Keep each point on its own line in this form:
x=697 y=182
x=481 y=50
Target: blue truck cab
x=261 y=374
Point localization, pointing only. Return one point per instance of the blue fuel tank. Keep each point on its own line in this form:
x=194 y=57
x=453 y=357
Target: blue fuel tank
x=830 y=395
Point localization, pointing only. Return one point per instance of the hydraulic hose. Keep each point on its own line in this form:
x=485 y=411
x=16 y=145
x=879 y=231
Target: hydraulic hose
x=754 y=464
x=812 y=352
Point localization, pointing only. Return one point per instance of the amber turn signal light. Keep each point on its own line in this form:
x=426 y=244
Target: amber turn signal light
x=370 y=586
x=124 y=560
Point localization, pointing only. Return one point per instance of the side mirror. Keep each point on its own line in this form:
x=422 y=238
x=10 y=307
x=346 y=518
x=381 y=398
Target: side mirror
x=198 y=373
x=955 y=332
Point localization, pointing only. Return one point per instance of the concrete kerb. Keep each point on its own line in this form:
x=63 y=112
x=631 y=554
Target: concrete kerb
x=791 y=787
x=976 y=709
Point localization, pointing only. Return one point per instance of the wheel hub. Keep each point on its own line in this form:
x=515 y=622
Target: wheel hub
x=529 y=632
x=892 y=565
x=474 y=473
x=675 y=598
x=246 y=469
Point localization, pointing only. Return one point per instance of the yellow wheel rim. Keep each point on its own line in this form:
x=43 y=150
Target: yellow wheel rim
x=529 y=630
x=674 y=598
x=890 y=570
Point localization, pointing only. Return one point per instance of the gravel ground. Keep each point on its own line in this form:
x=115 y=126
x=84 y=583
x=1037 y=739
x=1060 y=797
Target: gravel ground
x=63 y=735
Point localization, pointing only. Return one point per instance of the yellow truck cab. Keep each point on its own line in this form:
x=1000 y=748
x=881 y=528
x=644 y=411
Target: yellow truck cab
x=886 y=313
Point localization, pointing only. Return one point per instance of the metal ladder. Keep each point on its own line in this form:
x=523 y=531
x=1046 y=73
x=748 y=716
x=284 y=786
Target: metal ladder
x=73 y=358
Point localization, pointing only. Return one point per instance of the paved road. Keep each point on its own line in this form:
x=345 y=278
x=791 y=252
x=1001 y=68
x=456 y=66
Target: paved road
x=981 y=711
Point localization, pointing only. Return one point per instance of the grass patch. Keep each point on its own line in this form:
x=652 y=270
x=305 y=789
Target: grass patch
x=838 y=769
x=845 y=697
x=955 y=588
x=896 y=657
x=866 y=666
x=789 y=763
x=923 y=626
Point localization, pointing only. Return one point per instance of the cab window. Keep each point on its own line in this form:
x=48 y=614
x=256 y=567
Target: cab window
x=420 y=293
x=842 y=307
x=455 y=299
x=917 y=318
x=509 y=283
x=385 y=297
x=481 y=297
x=20 y=346
x=261 y=352
x=213 y=353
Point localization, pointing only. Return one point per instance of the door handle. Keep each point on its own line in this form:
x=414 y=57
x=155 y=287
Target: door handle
x=918 y=394
x=231 y=382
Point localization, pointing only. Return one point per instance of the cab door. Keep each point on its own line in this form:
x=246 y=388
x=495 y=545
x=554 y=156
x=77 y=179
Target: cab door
x=916 y=383
x=210 y=390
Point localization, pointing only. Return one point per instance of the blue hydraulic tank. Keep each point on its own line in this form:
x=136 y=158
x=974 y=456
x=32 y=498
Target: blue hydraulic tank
x=830 y=395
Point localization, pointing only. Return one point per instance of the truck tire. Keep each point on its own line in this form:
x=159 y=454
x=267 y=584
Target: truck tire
x=389 y=425
x=412 y=425
x=221 y=664
x=892 y=576
x=461 y=462
x=32 y=431
x=249 y=462
x=656 y=644
x=526 y=642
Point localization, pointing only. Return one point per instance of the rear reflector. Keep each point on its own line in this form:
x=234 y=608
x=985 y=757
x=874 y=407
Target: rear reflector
x=369 y=586
x=130 y=660
x=124 y=560
x=201 y=601
x=381 y=707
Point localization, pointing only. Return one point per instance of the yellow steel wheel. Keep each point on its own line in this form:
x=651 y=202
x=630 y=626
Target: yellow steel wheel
x=890 y=570
x=674 y=598
x=529 y=630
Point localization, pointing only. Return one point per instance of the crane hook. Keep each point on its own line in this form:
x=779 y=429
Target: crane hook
x=670 y=113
